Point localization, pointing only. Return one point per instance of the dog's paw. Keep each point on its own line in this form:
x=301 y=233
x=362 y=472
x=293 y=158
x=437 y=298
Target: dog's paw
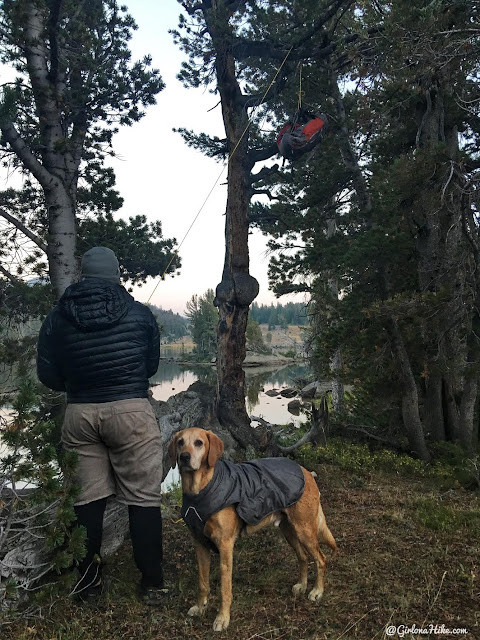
x=315 y=595
x=221 y=622
x=299 y=588
x=197 y=611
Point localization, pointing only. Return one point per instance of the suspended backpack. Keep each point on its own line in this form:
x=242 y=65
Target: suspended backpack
x=301 y=134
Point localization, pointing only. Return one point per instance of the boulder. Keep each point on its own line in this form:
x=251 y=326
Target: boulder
x=272 y=392
x=288 y=393
x=294 y=407
x=310 y=390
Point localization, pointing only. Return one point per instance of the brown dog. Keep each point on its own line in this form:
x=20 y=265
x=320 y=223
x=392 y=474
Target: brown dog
x=197 y=452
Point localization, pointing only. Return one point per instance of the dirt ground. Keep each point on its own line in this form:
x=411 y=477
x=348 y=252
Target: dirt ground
x=390 y=570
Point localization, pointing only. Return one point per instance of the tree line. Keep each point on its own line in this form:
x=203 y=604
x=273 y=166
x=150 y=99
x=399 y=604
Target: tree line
x=280 y=314
x=171 y=325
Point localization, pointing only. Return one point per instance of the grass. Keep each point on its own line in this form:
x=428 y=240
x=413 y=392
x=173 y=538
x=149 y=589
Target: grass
x=409 y=554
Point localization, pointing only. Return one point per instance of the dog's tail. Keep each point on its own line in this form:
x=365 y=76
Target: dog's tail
x=325 y=534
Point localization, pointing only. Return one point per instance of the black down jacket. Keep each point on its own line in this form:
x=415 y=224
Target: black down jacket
x=98 y=344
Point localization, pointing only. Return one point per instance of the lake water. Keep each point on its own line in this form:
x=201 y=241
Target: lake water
x=172 y=378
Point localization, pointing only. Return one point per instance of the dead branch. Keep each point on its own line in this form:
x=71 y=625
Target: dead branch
x=317 y=433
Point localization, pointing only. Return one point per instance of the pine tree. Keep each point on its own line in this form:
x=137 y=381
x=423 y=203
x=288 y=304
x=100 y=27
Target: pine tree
x=239 y=48
x=76 y=85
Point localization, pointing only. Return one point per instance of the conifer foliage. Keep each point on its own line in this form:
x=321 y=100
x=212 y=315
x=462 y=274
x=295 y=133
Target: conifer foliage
x=380 y=225
x=37 y=497
x=76 y=85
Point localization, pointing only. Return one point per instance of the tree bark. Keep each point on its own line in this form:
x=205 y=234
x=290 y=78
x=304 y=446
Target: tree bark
x=442 y=256
x=433 y=412
x=467 y=414
x=452 y=416
x=336 y=361
x=62 y=238
x=410 y=413
x=62 y=167
x=238 y=288
x=57 y=173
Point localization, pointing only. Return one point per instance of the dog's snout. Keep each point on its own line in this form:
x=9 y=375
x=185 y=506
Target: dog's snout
x=185 y=457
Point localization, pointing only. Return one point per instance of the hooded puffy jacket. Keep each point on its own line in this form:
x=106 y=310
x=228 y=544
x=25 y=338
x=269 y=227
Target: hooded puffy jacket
x=98 y=344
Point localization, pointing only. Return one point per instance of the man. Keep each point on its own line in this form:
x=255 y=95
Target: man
x=101 y=346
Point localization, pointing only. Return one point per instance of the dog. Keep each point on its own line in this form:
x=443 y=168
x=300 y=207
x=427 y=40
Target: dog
x=197 y=453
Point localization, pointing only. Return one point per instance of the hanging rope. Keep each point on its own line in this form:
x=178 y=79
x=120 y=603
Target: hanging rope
x=175 y=253
x=300 y=94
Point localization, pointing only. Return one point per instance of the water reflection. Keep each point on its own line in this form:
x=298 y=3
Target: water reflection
x=172 y=378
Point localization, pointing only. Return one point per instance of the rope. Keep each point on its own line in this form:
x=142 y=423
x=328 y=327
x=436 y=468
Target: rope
x=175 y=253
x=300 y=94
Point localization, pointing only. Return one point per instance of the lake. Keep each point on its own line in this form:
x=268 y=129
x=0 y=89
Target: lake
x=172 y=378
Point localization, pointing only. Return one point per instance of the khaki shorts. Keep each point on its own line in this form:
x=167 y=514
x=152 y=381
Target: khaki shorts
x=119 y=449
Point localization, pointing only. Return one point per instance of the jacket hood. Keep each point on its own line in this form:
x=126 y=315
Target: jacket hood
x=95 y=303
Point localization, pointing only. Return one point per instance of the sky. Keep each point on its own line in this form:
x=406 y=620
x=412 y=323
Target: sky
x=159 y=176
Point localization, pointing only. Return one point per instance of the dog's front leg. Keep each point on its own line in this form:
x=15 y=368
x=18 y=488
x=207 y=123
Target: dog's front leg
x=203 y=561
x=226 y=566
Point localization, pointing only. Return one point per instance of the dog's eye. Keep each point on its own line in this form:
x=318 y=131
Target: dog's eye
x=181 y=442
x=198 y=443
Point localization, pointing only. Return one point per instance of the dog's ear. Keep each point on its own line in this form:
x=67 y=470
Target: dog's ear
x=172 y=450
x=215 y=450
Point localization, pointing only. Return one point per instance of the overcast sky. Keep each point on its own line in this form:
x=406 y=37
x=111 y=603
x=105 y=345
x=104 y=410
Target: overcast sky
x=159 y=176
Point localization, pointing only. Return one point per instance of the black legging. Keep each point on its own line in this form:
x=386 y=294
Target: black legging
x=146 y=533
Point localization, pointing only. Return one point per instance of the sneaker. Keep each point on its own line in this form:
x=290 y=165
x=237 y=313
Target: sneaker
x=154 y=596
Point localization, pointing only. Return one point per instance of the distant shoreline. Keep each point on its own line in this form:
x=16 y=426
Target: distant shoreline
x=253 y=360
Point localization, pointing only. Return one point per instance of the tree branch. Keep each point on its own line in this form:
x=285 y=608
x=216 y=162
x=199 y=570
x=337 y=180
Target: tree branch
x=317 y=433
x=266 y=172
x=13 y=279
x=23 y=152
x=36 y=56
x=264 y=192
x=244 y=49
x=322 y=21
x=258 y=155
x=256 y=218
x=25 y=230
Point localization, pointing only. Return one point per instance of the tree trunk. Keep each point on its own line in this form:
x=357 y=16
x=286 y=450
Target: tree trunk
x=336 y=362
x=467 y=414
x=62 y=238
x=410 y=412
x=234 y=295
x=433 y=413
x=451 y=413
x=238 y=289
x=57 y=173
x=338 y=388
